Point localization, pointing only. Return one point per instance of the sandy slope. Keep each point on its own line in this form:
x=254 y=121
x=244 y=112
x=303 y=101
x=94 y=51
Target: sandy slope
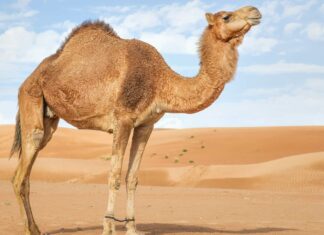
x=294 y=173
x=246 y=158
x=203 y=146
x=229 y=181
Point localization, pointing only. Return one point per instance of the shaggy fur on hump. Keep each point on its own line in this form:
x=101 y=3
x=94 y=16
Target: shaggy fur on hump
x=97 y=24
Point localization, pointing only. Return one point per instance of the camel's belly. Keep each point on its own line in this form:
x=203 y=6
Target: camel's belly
x=91 y=110
x=103 y=123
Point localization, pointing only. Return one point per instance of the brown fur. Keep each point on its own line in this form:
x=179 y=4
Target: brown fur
x=138 y=88
x=95 y=25
x=16 y=146
x=97 y=80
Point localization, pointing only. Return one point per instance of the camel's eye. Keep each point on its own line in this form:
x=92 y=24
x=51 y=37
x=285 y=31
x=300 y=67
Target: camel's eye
x=226 y=18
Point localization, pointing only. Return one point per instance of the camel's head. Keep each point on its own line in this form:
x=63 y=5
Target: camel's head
x=228 y=25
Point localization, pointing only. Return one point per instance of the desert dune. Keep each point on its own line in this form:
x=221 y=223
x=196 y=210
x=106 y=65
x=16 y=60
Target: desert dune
x=265 y=180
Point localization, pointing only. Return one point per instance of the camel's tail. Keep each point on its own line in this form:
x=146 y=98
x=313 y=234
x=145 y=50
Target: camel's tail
x=16 y=146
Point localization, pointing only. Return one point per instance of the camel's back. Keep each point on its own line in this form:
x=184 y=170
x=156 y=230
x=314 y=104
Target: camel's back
x=96 y=69
x=90 y=51
x=81 y=77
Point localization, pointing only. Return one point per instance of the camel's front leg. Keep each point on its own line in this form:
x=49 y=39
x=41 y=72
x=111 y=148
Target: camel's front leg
x=121 y=136
x=140 y=138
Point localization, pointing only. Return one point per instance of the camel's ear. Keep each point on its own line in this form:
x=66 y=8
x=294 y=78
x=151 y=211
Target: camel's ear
x=210 y=18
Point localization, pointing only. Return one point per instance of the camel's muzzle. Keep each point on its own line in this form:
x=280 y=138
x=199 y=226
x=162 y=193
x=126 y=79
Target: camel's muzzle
x=251 y=14
x=254 y=16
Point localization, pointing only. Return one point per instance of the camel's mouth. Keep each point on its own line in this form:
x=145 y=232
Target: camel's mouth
x=254 y=21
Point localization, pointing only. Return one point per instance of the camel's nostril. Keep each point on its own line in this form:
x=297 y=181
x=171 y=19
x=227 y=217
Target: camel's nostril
x=255 y=13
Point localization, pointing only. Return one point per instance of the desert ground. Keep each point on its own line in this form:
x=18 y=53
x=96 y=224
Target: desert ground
x=265 y=180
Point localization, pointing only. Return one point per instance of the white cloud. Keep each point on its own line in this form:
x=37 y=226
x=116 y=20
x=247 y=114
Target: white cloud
x=283 y=68
x=20 y=45
x=297 y=10
x=124 y=26
x=171 y=42
x=183 y=18
x=292 y=27
x=315 y=31
x=175 y=17
x=138 y=21
x=257 y=45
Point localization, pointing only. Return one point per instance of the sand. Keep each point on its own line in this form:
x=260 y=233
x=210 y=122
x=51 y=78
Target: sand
x=267 y=180
x=63 y=208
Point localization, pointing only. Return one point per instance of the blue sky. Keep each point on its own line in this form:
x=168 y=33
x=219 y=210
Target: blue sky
x=280 y=77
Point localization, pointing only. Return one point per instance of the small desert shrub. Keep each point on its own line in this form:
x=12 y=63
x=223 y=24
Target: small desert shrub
x=106 y=158
x=166 y=156
x=191 y=161
x=180 y=154
x=191 y=137
x=7 y=203
x=203 y=146
x=184 y=150
x=176 y=160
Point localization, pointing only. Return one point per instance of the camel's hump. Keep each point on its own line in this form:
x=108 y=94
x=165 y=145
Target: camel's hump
x=98 y=24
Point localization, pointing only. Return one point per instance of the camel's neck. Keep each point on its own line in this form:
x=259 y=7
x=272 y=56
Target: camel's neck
x=190 y=95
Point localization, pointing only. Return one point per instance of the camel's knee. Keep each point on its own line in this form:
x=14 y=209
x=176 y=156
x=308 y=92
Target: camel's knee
x=16 y=181
x=114 y=181
x=15 y=184
x=37 y=136
x=20 y=186
x=33 y=143
x=131 y=182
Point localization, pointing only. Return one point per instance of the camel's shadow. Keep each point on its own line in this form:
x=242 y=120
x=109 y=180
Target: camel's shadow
x=160 y=229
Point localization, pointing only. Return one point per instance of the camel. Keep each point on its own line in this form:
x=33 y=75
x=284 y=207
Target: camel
x=97 y=80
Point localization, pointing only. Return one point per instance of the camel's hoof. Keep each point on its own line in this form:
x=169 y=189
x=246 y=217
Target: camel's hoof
x=33 y=231
x=108 y=232
x=133 y=232
x=109 y=228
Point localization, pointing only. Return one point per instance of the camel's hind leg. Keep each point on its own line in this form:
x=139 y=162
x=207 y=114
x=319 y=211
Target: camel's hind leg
x=35 y=131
